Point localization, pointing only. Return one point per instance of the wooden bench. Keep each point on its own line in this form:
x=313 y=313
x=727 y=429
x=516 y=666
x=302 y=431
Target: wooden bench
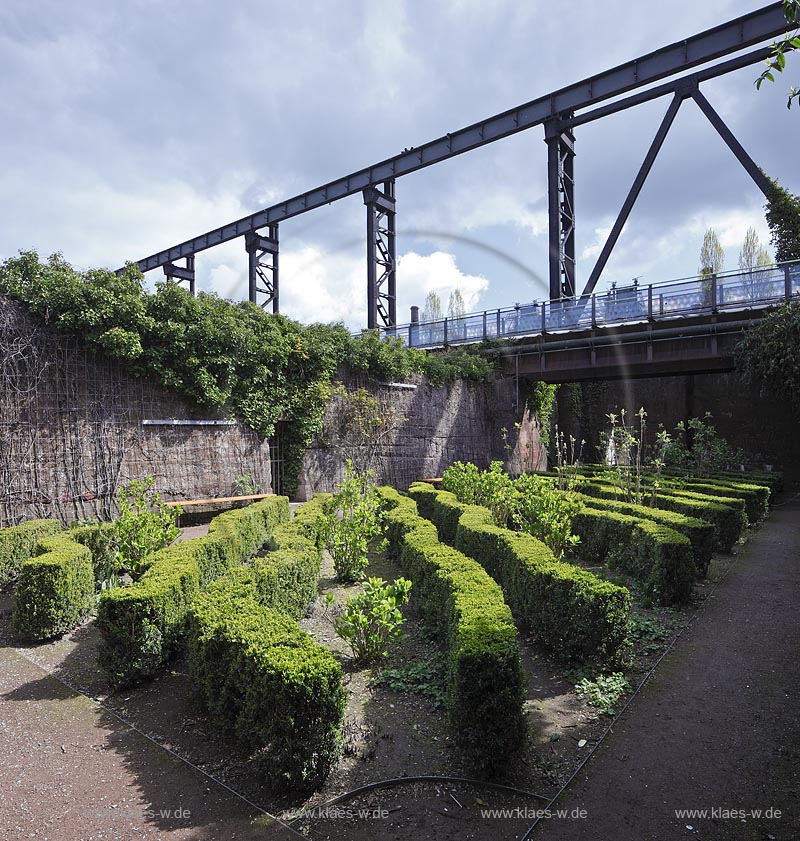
x=216 y=500
x=431 y=481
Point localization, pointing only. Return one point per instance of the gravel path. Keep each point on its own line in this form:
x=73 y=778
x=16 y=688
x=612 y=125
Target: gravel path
x=718 y=726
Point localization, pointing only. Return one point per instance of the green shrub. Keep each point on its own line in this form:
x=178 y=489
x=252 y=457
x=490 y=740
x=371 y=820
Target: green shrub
x=484 y=672
x=55 y=589
x=372 y=619
x=654 y=554
x=572 y=612
x=101 y=540
x=755 y=497
x=268 y=683
x=18 y=543
x=701 y=533
x=728 y=522
x=142 y=624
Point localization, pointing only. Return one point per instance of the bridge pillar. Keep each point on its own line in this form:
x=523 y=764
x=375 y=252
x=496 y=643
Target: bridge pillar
x=381 y=258
x=561 y=207
x=263 y=267
x=181 y=273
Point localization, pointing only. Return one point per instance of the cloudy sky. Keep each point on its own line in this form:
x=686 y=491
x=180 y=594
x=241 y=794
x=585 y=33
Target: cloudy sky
x=132 y=125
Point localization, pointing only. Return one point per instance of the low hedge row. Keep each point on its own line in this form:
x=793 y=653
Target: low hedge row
x=101 y=540
x=18 y=543
x=268 y=683
x=141 y=624
x=701 y=533
x=572 y=611
x=728 y=522
x=658 y=556
x=755 y=497
x=55 y=590
x=485 y=677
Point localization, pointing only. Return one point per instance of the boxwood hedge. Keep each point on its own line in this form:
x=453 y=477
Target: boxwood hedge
x=485 y=678
x=142 y=624
x=572 y=612
x=18 y=543
x=55 y=589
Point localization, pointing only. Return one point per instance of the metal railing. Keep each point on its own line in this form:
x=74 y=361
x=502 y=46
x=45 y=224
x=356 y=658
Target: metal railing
x=729 y=291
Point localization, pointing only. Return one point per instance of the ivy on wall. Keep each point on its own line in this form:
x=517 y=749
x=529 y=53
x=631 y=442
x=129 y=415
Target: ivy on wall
x=223 y=356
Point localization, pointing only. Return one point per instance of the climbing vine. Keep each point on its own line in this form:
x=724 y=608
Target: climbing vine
x=541 y=401
x=783 y=218
x=223 y=356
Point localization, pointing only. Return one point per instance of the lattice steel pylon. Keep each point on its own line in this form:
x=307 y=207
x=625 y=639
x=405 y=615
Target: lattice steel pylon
x=263 y=267
x=182 y=273
x=381 y=256
x=561 y=207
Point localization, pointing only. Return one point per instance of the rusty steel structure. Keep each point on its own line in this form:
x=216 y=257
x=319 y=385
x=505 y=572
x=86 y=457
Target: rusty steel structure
x=716 y=51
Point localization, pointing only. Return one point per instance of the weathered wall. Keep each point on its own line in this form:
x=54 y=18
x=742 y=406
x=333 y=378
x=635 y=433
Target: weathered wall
x=71 y=431
x=758 y=424
x=458 y=422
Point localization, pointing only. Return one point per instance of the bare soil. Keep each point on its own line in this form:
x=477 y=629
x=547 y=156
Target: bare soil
x=389 y=735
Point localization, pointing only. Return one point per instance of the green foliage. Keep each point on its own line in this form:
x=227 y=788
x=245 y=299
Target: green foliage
x=432 y=311
x=769 y=353
x=101 y=540
x=372 y=619
x=656 y=555
x=267 y=682
x=423 y=678
x=542 y=510
x=18 y=543
x=712 y=256
x=145 y=524
x=604 y=691
x=245 y=485
x=492 y=488
x=701 y=533
x=223 y=356
x=441 y=367
x=352 y=522
x=783 y=219
x=55 y=589
x=541 y=401
x=777 y=60
x=572 y=612
x=708 y=453
x=484 y=672
x=141 y=625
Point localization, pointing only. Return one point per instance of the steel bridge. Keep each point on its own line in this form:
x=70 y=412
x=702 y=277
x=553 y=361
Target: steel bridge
x=678 y=327
x=560 y=112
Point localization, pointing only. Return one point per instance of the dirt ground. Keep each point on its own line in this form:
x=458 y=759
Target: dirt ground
x=67 y=748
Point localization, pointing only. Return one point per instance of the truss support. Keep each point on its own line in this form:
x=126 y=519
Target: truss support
x=561 y=207
x=762 y=182
x=263 y=267
x=636 y=188
x=381 y=257
x=182 y=273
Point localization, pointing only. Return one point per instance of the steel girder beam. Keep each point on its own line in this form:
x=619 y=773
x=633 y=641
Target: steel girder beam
x=762 y=182
x=263 y=268
x=746 y=31
x=636 y=188
x=561 y=208
x=182 y=273
x=381 y=257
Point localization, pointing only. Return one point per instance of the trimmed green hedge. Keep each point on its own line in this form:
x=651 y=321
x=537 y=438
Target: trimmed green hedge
x=18 y=543
x=728 y=522
x=572 y=611
x=701 y=533
x=485 y=677
x=55 y=589
x=142 y=624
x=655 y=554
x=755 y=497
x=266 y=681
x=101 y=540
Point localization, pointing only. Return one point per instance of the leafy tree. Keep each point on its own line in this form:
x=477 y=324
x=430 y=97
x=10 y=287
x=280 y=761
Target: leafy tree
x=750 y=249
x=783 y=218
x=712 y=257
x=432 y=311
x=777 y=61
x=455 y=306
